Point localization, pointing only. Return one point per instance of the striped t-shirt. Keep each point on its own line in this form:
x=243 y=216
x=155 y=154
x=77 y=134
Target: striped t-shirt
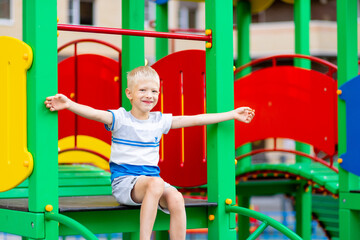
x=135 y=143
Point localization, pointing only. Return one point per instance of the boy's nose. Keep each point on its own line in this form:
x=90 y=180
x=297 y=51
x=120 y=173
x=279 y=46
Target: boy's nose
x=148 y=94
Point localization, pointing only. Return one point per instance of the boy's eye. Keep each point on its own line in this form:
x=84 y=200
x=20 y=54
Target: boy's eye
x=154 y=91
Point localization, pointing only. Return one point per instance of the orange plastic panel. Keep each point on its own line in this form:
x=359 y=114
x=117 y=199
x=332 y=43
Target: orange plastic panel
x=290 y=102
x=16 y=163
x=183 y=152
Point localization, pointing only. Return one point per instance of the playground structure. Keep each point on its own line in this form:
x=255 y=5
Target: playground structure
x=43 y=193
x=338 y=218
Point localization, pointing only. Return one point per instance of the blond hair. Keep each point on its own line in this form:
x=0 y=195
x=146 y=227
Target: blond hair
x=142 y=73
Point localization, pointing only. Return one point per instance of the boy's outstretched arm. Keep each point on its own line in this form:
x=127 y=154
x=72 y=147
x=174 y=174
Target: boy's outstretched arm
x=243 y=114
x=60 y=102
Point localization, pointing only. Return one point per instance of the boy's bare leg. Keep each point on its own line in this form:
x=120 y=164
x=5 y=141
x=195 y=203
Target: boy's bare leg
x=173 y=200
x=147 y=191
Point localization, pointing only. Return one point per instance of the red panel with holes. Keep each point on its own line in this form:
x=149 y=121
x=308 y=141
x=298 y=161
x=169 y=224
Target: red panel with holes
x=98 y=86
x=290 y=102
x=183 y=152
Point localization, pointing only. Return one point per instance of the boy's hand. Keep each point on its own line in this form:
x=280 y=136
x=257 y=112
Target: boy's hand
x=57 y=102
x=244 y=114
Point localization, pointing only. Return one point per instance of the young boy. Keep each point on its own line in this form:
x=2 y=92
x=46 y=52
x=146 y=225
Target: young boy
x=135 y=148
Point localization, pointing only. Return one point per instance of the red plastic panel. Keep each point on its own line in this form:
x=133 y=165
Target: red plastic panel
x=96 y=87
x=183 y=153
x=290 y=102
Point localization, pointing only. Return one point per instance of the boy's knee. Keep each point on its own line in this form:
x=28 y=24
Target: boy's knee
x=155 y=186
x=176 y=201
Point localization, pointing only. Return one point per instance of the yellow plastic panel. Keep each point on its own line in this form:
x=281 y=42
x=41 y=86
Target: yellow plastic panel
x=78 y=156
x=16 y=163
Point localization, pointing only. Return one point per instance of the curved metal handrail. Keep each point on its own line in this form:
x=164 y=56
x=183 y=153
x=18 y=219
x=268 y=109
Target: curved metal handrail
x=266 y=221
x=331 y=67
x=71 y=223
x=84 y=150
x=316 y=159
x=89 y=40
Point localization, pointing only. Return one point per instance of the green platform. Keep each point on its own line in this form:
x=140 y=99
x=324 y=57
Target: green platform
x=85 y=196
x=74 y=180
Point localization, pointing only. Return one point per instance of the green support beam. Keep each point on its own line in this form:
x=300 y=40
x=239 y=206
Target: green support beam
x=40 y=33
x=220 y=98
x=350 y=201
x=131 y=235
x=243 y=21
x=347 y=69
x=243 y=16
x=303 y=209
x=128 y=221
x=133 y=48
x=161 y=25
x=349 y=224
x=243 y=221
x=302 y=13
x=32 y=224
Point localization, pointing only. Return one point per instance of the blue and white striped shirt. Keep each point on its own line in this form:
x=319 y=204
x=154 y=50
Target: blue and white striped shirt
x=135 y=143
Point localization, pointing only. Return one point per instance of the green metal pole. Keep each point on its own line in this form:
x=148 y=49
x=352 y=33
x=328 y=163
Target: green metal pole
x=243 y=12
x=131 y=236
x=347 y=69
x=40 y=32
x=162 y=50
x=302 y=13
x=302 y=46
x=243 y=221
x=220 y=98
x=162 y=235
x=303 y=210
x=258 y=231
x=133 y=50
x=162 y=44
x=243 y=17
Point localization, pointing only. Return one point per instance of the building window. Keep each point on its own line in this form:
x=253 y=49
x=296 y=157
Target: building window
x=6 y=11
x=81 y=12
x=150 y=12
x=187 y=14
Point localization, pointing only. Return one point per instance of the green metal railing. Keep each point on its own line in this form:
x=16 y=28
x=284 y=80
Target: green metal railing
x=71 y=223
x=266 y=221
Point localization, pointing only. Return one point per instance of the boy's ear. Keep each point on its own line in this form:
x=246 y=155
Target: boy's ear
x=128 y=93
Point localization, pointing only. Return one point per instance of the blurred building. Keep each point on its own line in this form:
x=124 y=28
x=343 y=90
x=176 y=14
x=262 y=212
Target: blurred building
x=272 y=30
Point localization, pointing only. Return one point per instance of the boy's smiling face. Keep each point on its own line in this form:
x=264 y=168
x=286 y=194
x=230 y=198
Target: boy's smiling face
x=143 y=95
